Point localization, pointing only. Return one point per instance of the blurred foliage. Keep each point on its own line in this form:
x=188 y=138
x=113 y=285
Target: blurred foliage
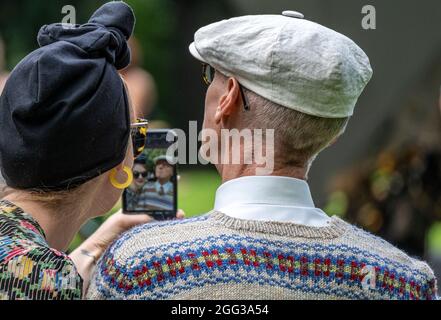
x=197 y=191
x=434 y=238
x=394 y=195
x=20 y=21
x=155 y=26
x=337 y=204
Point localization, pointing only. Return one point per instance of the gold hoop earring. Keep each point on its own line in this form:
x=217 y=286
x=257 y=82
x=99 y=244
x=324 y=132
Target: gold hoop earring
x=116 y=183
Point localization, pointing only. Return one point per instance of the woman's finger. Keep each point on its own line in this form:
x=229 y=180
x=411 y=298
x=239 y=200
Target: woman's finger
x=180 y=214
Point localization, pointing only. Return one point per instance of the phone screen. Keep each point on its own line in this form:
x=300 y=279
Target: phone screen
x=154 y=187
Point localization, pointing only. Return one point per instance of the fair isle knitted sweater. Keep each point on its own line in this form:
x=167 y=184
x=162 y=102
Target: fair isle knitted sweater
x=219 y=257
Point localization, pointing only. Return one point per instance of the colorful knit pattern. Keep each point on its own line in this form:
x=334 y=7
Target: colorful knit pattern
x=301 y=269
x=29 y=269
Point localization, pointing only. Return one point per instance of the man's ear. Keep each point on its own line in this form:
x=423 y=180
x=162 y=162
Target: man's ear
x=229 y=102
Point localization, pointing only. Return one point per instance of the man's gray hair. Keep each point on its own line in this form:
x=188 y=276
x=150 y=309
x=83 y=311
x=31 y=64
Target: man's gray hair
x=301 y=136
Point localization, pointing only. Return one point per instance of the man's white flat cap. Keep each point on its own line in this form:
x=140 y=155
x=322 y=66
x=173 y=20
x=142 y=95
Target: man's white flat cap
x=288 y=60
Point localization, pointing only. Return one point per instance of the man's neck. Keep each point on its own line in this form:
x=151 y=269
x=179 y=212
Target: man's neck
x=230 y=172
x=58 y=228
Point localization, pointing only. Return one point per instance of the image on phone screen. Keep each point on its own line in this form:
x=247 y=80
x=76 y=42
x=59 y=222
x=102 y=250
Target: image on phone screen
x=154 y=187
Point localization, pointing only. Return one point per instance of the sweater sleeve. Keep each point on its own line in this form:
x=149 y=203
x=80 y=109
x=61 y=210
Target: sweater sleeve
x=108 y=283
x=98 y=288
x=429 y=284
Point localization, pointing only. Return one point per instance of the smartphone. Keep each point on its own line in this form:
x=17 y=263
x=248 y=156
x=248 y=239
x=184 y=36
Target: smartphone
x=154 y=189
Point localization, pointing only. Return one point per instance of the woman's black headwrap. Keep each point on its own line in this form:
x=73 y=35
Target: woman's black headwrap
x=64 y=113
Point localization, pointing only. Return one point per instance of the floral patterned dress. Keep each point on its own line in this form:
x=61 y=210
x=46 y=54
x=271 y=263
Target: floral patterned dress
x=29 y=268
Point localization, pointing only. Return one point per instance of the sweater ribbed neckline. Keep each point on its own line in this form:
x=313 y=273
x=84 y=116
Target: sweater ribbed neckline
x=335 y=229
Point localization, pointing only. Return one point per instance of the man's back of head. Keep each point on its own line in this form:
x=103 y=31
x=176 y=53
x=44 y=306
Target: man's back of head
x=265 y=239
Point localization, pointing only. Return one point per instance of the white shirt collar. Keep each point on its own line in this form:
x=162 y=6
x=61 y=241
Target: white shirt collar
x=269 y=198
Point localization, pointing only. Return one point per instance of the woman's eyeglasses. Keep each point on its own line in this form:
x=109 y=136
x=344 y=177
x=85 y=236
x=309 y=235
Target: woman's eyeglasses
x=208 y=73
x=139 y=136
x=137 y=174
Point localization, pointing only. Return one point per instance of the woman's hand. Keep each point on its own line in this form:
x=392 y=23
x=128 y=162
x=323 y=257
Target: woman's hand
x=88 y=253
x=111 y=229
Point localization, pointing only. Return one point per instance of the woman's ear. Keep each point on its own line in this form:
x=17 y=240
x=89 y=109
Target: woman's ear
x=229 y=102
x=120 y=167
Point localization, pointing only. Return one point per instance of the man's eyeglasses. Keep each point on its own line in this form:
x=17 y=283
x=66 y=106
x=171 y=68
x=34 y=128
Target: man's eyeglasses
x=208 y=73
x=138 y=132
